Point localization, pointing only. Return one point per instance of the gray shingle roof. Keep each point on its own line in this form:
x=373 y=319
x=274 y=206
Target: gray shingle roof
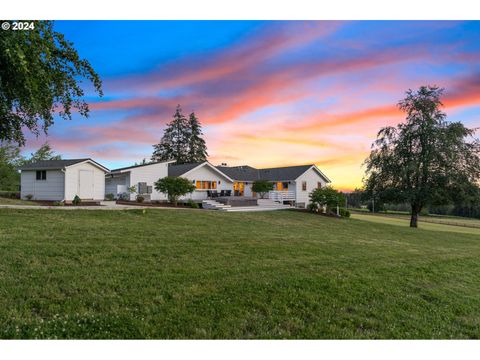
x=283 y=173
x=240 y=173
x=51 y=164
x=136 y=166
x=178 y=170
x=248 y=173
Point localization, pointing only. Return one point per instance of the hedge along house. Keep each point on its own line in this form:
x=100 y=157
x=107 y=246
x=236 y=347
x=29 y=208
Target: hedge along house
x=62 y=180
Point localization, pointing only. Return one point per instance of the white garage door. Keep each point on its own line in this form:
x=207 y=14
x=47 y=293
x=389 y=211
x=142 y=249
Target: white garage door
x=85 y=186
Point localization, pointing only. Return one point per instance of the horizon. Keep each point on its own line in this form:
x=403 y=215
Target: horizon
x=267 y=93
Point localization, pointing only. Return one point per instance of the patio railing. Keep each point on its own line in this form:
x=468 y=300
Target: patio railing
x=281 y=195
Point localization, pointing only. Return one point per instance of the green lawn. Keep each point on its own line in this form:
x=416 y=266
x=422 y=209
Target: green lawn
x=7 y=201
x=200 y=274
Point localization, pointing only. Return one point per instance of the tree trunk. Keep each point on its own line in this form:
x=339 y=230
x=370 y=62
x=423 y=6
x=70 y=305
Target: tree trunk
x=414 y=218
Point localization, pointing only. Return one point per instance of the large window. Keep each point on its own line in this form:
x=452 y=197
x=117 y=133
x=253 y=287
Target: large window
x=41 y=175
x=205 y=185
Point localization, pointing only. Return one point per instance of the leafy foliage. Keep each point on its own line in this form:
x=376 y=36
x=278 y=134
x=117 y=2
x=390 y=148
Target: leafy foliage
x=174 y=187
x=45 y=152
x=262 y=187
x=425 y=160
x=326 y=197
x=110 y=197
x=76 y=200
x=40 y=74
x=10 y=159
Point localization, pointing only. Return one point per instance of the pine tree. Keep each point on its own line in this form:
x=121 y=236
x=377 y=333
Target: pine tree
x=197 y=149
x=174 y=143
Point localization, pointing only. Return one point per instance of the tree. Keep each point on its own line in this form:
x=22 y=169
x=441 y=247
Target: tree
x=174 y=143
x=262 y=187
x=40 y=74
x=326 y=197
x=425 y=160
x=45 y=152
x=174 y=187
x=197 y=149
x=10 y=159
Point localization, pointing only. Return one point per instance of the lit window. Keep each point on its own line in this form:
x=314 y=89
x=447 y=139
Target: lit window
x=206 y=185
x=304 y=186
x=319 y=185
x=41 y=175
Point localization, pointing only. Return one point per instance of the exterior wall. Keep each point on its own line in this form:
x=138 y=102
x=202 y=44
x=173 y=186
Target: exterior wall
x=117 y=184
x=312 y=177
x=205 y=173
x=148 y=174
x=72 y=181
x=50 y=189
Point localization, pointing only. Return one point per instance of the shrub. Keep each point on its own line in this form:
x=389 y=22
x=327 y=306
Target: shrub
x=344 y=212
x=312 y=207
x=58 y=203
x=140 y=199
x=174 y=187
x=76 y=200
x=10 y=194
x=110 y=197
x=327 y=196
x=29 y=197
x=124 y=196
x=192 y=204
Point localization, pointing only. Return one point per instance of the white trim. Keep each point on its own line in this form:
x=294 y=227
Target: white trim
x=212 y=167
x=94 y=163
x=314 y=167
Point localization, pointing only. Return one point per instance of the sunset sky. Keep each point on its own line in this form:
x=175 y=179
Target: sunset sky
x=267 y=93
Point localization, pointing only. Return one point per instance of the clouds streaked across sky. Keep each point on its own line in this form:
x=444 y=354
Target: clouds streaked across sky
x=267 y=93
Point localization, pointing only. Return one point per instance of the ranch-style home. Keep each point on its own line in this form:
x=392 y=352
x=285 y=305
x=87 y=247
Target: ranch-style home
x=62 y=180
x=292 y=184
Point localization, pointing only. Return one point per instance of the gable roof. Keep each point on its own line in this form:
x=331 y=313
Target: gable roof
x=57 y=164
x=286 y=173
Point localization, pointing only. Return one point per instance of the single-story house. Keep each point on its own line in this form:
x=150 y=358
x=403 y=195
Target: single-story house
x=291 y=183
x=62 y=180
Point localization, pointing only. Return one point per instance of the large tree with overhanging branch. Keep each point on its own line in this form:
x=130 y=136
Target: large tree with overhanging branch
x=425 y=160
x=40 y=75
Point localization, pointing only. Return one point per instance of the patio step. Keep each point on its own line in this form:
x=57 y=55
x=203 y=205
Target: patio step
x=214 y=205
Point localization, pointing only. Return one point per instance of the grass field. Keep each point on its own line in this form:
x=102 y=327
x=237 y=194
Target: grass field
x=200 y=274
x=7 y=201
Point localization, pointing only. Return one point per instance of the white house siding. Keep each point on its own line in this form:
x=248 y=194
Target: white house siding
x=312 y=178
x=50 y=189
x=148 y=174
x=205 y=173
x=72 y=181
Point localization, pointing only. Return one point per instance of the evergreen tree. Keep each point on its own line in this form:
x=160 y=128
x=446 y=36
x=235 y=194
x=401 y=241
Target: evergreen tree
x=197 y=149
x=174 y=143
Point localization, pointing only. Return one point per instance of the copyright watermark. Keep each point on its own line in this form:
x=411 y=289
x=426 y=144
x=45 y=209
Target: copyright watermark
x=5 y=25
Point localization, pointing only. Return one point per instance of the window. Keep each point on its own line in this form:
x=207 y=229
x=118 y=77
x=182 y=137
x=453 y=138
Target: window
x=41 y=175
x=206 y=185
x=304 y=186
x=319 y=185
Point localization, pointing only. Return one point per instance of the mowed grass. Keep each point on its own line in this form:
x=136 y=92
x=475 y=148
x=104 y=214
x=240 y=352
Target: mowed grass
x=467 y=227
x=7 y=201
x=203 y=274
